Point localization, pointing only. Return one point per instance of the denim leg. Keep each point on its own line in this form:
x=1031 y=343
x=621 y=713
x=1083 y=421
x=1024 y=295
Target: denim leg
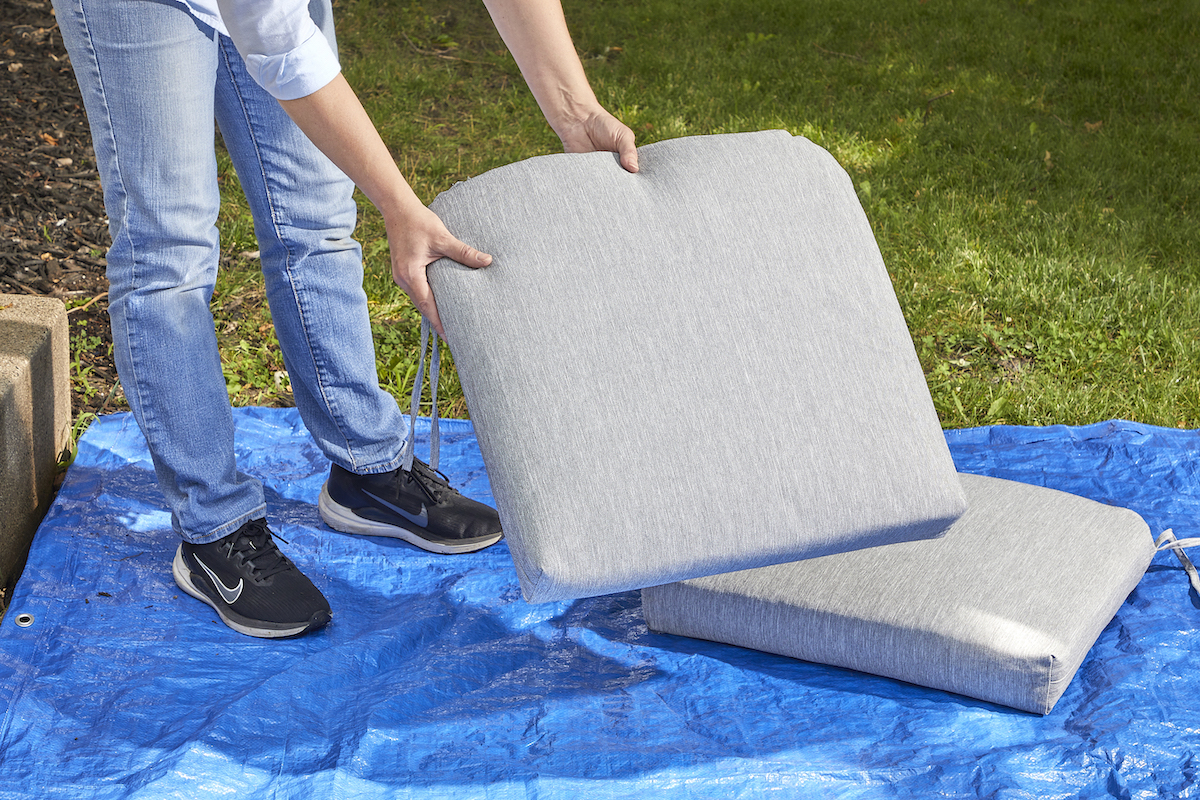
x=304 y=215
x=147 y=73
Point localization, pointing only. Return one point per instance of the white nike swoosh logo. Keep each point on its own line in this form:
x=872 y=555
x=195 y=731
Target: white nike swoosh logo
x=229 y=595
x=421 y=519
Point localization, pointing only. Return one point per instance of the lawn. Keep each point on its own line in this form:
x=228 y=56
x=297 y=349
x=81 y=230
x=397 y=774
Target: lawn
x=1029 y=169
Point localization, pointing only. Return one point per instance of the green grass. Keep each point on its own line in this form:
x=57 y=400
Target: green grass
x=1029 y=169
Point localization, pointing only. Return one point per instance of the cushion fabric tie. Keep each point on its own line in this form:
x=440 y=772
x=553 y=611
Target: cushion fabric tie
x=427 y=333
x=1167 y=541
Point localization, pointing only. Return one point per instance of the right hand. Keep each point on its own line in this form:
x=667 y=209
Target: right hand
x=416 y=239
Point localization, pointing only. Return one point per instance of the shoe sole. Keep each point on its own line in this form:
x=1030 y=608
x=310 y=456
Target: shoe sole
x=343 y=519
x=183 y=578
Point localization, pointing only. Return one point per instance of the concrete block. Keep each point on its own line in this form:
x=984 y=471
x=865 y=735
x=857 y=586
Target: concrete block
x=35 y=421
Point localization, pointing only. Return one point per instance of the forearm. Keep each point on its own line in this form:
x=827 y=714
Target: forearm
x=335 y=121
x=537 y=36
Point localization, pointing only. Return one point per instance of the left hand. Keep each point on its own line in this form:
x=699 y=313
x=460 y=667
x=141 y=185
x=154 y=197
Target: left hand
x=600 y=131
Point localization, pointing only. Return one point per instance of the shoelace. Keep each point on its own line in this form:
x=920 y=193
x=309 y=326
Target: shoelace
x=427 y=333
x=433 y=483
x=256 y=548
x=1167 y=541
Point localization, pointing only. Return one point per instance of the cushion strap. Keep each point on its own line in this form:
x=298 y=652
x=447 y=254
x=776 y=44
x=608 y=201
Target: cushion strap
x=1167 y=541
x=418 y=384
x=435 y=359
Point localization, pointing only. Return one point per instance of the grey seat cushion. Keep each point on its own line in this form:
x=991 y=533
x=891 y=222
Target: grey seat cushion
x=698 y=368
x=1003 y=608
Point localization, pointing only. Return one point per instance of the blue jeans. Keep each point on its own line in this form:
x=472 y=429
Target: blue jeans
x=153 y=80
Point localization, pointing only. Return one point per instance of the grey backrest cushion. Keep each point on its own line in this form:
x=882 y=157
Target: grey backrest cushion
x=693 y=369
x=1003 y=608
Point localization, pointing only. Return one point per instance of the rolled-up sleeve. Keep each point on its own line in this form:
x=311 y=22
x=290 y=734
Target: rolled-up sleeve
x=284 y=50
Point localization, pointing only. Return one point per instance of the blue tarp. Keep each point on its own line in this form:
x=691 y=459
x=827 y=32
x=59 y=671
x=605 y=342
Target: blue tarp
x=436 y=680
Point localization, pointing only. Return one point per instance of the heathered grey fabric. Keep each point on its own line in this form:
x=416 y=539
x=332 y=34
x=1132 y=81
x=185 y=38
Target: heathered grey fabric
x=696 y=368
x=1003 y=608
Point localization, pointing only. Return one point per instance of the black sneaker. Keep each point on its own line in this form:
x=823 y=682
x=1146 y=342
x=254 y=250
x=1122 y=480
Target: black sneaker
x=419 y=507
x=254 y=587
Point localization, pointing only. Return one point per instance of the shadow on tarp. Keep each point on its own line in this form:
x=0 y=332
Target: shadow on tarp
x=435 y=679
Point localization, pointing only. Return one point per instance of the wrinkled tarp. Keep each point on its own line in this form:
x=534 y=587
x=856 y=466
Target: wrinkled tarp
x=436 y=680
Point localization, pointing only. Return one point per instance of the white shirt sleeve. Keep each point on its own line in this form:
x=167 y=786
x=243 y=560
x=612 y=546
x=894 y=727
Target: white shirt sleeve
x=284 y=50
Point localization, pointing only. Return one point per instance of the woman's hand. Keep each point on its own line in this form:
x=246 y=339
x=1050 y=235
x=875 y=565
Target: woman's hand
x=601 y=131
x=416 y=239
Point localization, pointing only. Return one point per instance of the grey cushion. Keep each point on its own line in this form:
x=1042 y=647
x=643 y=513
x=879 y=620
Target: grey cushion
x=1003 y=608
x=698 y=368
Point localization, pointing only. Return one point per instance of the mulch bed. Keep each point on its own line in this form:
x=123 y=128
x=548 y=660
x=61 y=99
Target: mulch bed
x=53 y=230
